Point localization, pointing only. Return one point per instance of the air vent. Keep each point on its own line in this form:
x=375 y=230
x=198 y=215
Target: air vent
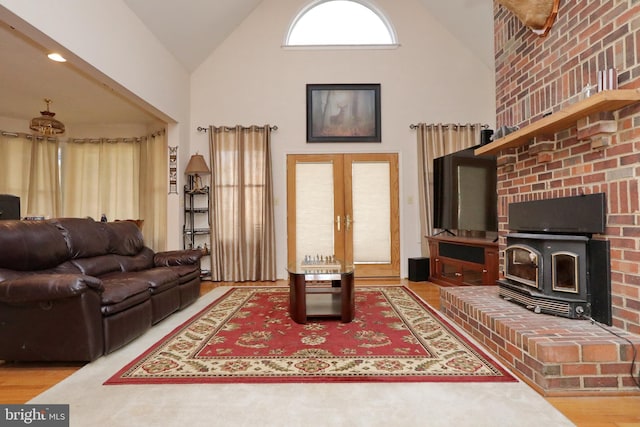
x=574 y=310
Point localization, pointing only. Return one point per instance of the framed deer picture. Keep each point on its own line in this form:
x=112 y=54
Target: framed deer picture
x=343 y=113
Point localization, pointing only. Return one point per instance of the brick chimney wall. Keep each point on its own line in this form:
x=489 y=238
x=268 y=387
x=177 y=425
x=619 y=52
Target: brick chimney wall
x=536 y=75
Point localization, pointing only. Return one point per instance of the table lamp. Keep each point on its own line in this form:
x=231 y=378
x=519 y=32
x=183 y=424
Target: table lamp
x=195 y=168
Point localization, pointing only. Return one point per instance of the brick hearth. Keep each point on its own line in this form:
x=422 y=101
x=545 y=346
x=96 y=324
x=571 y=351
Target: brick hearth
x=555 y=355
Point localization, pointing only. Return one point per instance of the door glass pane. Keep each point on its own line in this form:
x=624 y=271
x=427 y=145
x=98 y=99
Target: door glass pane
x=314 y=209
x=371 y=212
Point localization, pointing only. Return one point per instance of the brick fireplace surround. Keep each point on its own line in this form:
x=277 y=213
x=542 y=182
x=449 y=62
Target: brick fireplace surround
x=555 y=355
x=600 y=153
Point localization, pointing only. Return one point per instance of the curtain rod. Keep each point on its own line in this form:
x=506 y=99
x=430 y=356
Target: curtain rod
x=29 y=136
x=206 y=129
x=455 y=125
x=121 y=139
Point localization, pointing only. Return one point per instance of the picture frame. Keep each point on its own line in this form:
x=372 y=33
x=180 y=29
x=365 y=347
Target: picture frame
x=343 y=113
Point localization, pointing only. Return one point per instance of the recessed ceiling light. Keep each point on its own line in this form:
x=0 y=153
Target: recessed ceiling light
x=56 y=57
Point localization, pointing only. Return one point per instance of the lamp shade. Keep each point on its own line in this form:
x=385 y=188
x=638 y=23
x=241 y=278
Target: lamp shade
x=197 y=166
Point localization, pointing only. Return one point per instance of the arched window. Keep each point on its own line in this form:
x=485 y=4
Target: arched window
x=340 y=22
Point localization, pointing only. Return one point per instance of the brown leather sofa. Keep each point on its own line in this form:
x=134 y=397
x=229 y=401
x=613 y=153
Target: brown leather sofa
x=73 y=289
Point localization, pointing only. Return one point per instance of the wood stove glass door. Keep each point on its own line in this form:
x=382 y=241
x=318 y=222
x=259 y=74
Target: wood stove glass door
x=565 y=272
x=523 y=265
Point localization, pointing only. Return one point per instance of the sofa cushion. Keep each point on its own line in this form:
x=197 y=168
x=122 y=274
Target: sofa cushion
x=186 y=272
x=6 y=274
x=156 y=279
x=31 y=245
x=125 y=238
x=85 y=237
x=67 y=267
x=179 y=257
x=140 y=261
x=121 y=286
x=97 y=265
x=160 y=279
x=124 y=305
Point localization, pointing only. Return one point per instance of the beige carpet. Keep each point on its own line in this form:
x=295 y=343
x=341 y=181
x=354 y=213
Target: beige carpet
x=320 y=404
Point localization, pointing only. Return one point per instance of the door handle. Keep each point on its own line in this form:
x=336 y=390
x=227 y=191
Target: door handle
x=338 y=222
x=348 y=221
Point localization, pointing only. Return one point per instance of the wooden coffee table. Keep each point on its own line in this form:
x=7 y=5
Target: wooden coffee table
x=321 y=291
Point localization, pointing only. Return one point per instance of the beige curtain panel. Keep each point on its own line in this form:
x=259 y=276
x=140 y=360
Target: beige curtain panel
x=124 y=178
x=104 y=178
x=154 y=187
x=29 y=169
x=242 y=235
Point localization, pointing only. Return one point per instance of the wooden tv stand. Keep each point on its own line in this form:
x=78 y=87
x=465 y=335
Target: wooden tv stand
x=457 y=261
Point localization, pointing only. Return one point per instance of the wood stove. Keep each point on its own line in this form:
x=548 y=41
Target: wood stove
x=552 y=264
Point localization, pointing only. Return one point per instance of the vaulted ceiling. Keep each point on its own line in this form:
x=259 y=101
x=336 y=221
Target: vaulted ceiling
x=190 y=30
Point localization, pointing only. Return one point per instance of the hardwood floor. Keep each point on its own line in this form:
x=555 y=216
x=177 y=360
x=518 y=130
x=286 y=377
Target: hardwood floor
x=20 y=382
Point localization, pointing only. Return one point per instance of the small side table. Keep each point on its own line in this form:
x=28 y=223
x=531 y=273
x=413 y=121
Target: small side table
x=321 y=291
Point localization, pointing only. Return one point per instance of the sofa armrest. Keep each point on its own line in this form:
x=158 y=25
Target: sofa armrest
x=183 y=257
x=46 y=287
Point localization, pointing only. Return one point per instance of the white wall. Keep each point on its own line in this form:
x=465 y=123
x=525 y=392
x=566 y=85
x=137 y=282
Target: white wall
x=251 y=79
x=108 y=41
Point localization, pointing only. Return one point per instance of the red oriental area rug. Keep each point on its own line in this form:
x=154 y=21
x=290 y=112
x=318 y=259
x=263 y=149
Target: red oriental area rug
x=248 y=336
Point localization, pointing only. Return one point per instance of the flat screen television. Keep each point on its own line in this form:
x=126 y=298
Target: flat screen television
x=464 y=192
x=9 y=207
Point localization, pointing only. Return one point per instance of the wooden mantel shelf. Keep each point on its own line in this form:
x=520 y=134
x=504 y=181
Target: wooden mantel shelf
x=605 y=101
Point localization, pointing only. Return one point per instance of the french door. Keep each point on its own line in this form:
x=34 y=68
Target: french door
x=345 y=205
